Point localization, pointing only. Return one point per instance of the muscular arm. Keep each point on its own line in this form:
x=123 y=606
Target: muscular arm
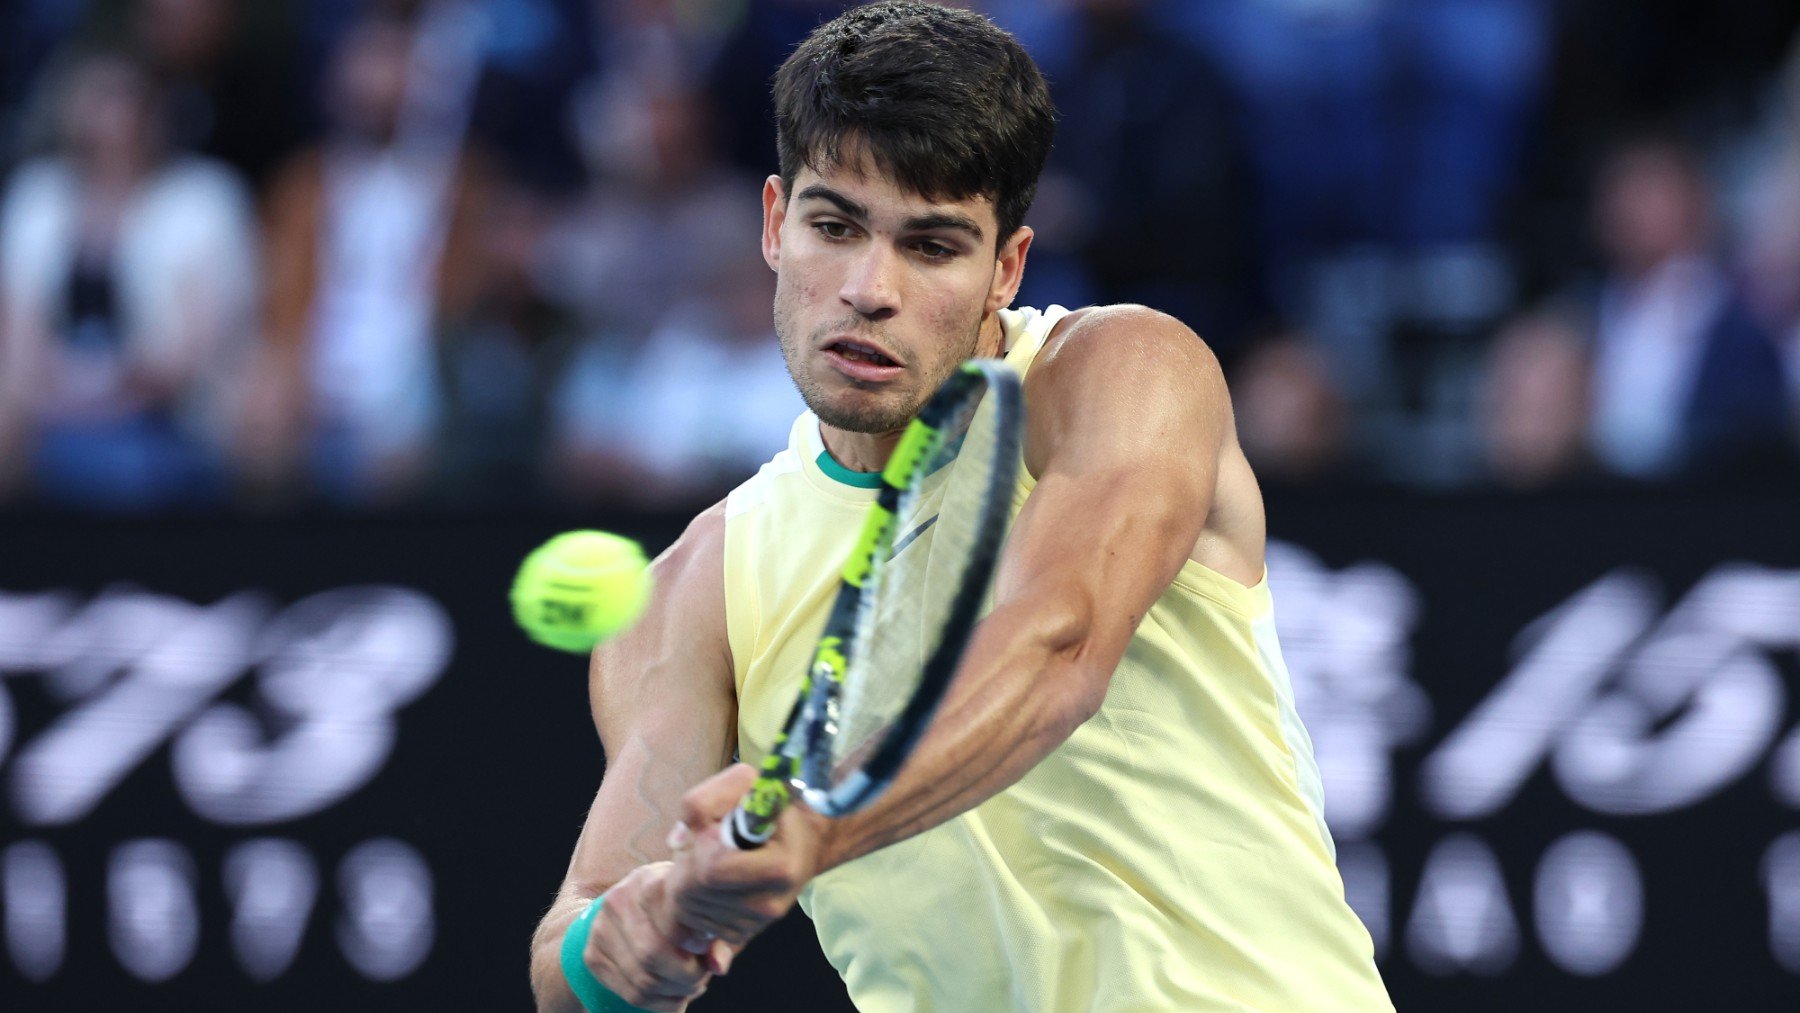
x=1128 y=414
x=664 y=706
x=1129 y=422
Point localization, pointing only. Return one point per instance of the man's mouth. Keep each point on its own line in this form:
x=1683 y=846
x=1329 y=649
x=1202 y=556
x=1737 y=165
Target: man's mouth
x=862 y=361
x=858 y=351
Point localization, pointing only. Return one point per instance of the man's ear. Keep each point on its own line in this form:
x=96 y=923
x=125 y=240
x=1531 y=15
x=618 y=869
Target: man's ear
x=1009 y=269
x=774 y=213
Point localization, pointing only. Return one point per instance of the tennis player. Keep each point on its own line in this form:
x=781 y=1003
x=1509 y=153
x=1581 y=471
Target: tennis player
x=1117 y=807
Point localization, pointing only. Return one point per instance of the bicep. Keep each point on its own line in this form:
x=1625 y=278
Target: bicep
x=665 y=710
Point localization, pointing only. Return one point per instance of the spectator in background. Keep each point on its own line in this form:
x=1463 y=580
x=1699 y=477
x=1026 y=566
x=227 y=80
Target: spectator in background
x=1291 y=417
x=1386 y=137
x=371 y=234
x=500 y=362
x=696 y=409
x=1146 y=196
x=1686 y=383
x=644 y=236
x=35 y=29
x=127 y=278
x=738 y=72
x=228 y=98
x=1771 y=226
x=676 y=308
x=1533 y=402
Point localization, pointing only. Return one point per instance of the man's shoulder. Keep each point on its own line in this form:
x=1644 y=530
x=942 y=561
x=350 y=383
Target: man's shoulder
x=1115 y=344
x=1108 y=372
x=760 y=487
x=1106 y=321
x=697 y=553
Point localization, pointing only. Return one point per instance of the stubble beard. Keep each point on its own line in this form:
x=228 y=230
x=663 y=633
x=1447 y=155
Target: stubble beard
x=874 y=413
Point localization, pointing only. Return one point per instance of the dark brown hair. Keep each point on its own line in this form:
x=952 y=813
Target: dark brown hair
x=944 y=102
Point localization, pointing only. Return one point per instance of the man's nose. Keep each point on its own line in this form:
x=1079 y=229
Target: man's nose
x=871 y=287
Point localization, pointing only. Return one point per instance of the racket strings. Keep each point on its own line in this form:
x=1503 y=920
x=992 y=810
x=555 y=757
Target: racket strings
x=902 y=618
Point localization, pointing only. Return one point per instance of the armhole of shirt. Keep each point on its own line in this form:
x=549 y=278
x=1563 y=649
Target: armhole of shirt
x=743 y=607
x=1023 y=350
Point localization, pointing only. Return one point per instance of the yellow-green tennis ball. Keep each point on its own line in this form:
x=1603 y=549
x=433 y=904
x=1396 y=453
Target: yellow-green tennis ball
x=579 y=588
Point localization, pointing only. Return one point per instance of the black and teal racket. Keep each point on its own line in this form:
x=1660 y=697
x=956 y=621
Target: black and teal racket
x=912 y=590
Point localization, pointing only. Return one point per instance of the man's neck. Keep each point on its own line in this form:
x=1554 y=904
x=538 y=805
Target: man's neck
x=859 y=451
x=870 y=451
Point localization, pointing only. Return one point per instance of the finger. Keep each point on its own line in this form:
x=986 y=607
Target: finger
x=644 y=978
x=672 y=972
x=704 y=925
x=727 y=918
x=696 y=941
x=703 y=930
x=722 y=869
x=667 y=917
x=719 y=957
x=713 y=799
x=698 y=905
x=616 y=966
x=697 y=909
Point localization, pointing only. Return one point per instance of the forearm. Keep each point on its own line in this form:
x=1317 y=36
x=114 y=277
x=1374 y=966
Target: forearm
x=1023 y=688
x=626 y=830
x=636 y=805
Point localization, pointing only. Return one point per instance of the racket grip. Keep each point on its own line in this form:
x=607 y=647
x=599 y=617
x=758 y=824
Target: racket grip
x=752 y=823
x=739 y=832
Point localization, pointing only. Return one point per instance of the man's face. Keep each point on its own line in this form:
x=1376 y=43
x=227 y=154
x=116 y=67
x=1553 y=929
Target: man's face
x=881 y=293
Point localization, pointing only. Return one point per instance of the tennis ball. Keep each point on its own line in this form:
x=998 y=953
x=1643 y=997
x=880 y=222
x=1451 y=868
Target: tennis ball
x=579 y=588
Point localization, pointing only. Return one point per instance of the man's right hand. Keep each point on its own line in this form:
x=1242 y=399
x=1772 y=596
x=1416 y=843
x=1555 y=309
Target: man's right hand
x=630 y=948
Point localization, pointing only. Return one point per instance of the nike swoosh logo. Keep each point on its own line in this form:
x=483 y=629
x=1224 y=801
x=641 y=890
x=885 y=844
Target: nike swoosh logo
x=910 y=535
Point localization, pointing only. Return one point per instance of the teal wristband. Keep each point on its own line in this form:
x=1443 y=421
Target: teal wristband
x=594 y=997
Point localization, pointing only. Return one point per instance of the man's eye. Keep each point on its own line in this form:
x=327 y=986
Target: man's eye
x=935 y=251
x=832 y=230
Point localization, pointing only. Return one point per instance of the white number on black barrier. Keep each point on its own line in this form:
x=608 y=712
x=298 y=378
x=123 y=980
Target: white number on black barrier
x=1588 y=903
x=154 y=920
x=386 y=929
x=1781 y=878
x=272 y=885
x=1566 y=656
x=1462 y=919
x=1345 y=640
x=36 y=898
x=1698 y=702
x=335 y=666
x=170 y=657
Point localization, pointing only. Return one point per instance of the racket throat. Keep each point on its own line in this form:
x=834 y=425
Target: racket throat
x=841 y=799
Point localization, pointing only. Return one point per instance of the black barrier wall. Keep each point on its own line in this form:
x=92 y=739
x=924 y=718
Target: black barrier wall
x=286 y=765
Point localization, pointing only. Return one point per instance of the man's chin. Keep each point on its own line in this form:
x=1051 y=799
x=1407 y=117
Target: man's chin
x=862 y=412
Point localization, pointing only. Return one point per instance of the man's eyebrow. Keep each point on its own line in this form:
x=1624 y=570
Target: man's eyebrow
x=822 y=192
x=944 y=220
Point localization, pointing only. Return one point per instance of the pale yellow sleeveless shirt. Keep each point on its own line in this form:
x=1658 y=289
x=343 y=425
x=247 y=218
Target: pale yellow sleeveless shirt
x=1171 y=855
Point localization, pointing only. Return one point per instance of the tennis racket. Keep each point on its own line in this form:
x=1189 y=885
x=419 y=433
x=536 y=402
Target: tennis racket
x=905 y=609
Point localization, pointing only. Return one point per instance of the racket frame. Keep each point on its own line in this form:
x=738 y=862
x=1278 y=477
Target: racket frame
x=800 y=757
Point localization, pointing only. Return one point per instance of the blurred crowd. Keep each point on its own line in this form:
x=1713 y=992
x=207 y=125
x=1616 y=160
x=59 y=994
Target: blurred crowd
x=496 y=253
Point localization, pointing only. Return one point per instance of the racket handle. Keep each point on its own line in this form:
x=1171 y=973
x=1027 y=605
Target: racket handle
x=752 y=823
x=739 y=832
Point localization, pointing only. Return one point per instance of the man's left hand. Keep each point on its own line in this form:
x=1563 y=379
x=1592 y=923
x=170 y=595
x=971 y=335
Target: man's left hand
x=720 y=892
